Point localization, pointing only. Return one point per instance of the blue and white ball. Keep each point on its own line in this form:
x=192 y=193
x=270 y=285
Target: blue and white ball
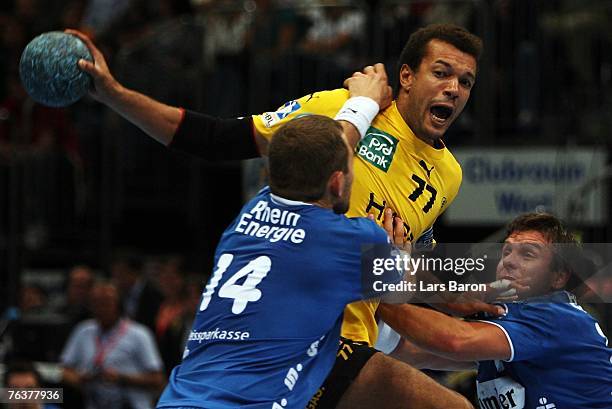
x=49 y=72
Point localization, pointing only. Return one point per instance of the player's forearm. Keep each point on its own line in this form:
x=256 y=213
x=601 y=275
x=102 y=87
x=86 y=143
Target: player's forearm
x=158 y=120
x=351 y=134
x=428 y=329
x=198 y=134
x=419 y=358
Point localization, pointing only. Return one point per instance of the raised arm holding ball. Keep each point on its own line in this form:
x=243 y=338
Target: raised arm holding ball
x=161 y=121
x=401 y=162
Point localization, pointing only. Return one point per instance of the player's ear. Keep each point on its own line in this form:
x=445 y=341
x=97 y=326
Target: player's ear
x=406 y=77
x=335 y=185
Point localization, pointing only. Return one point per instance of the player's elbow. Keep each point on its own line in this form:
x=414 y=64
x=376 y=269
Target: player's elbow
x=465 y=403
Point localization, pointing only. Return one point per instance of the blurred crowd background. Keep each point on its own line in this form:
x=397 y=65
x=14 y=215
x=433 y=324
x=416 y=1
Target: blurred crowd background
x=85 y=195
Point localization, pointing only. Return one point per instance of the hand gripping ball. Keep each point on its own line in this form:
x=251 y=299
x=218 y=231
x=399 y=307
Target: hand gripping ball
x=49 y=72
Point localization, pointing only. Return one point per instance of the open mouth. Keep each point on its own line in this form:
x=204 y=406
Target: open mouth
x=441 y=113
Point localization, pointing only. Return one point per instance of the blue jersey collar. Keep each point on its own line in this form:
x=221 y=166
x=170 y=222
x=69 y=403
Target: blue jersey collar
x=281 y=200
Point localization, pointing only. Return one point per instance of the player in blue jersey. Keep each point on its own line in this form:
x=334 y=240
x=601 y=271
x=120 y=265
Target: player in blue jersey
x=267 y=329
x=543 y=352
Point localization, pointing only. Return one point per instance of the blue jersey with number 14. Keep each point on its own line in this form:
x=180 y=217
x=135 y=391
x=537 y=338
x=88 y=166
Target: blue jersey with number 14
x=266 y=333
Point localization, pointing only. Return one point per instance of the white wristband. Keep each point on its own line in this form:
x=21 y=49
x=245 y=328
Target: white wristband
x=360 y=111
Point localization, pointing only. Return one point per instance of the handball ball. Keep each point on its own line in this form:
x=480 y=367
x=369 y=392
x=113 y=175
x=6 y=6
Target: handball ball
x=49 y=72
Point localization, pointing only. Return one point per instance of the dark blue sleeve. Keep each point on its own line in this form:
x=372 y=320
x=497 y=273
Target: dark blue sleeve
x=374 y=234
x=354 y=240
x=532 y=330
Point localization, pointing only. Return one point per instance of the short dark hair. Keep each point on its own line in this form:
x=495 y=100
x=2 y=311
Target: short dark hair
x=568 y=256
x=455 y=35
x=303 y=155
x=550 y=226
x=18 y=367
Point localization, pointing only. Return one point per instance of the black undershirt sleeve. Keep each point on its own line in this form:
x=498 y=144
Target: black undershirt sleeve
x=215 y=139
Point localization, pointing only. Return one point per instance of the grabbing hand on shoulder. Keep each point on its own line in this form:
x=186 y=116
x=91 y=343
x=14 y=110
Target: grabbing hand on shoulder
x=373 y=83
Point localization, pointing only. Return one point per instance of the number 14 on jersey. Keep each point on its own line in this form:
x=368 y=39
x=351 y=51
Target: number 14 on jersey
x=255 y=271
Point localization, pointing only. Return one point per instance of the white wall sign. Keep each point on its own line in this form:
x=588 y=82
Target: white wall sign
x=500 y=183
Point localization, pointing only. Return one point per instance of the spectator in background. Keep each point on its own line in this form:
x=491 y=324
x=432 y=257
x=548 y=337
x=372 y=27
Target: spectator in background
x=24 y=375
x=273 y=30
x=140 y=298
x=329 y=48
x=335 y=33
x=272 y=35
x=182 y=297
x=226 y=27
x=172 y=345
x=78 y=292
x=32 y=299
x=100 y=15
x=226 y=31
x=113 y=360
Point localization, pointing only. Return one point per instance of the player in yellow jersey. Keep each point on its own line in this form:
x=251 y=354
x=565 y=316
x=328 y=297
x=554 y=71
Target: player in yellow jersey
x=401 y=163
x=395 y=169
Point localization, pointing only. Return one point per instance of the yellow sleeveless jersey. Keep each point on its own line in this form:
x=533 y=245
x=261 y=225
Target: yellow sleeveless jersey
x=393 y=168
